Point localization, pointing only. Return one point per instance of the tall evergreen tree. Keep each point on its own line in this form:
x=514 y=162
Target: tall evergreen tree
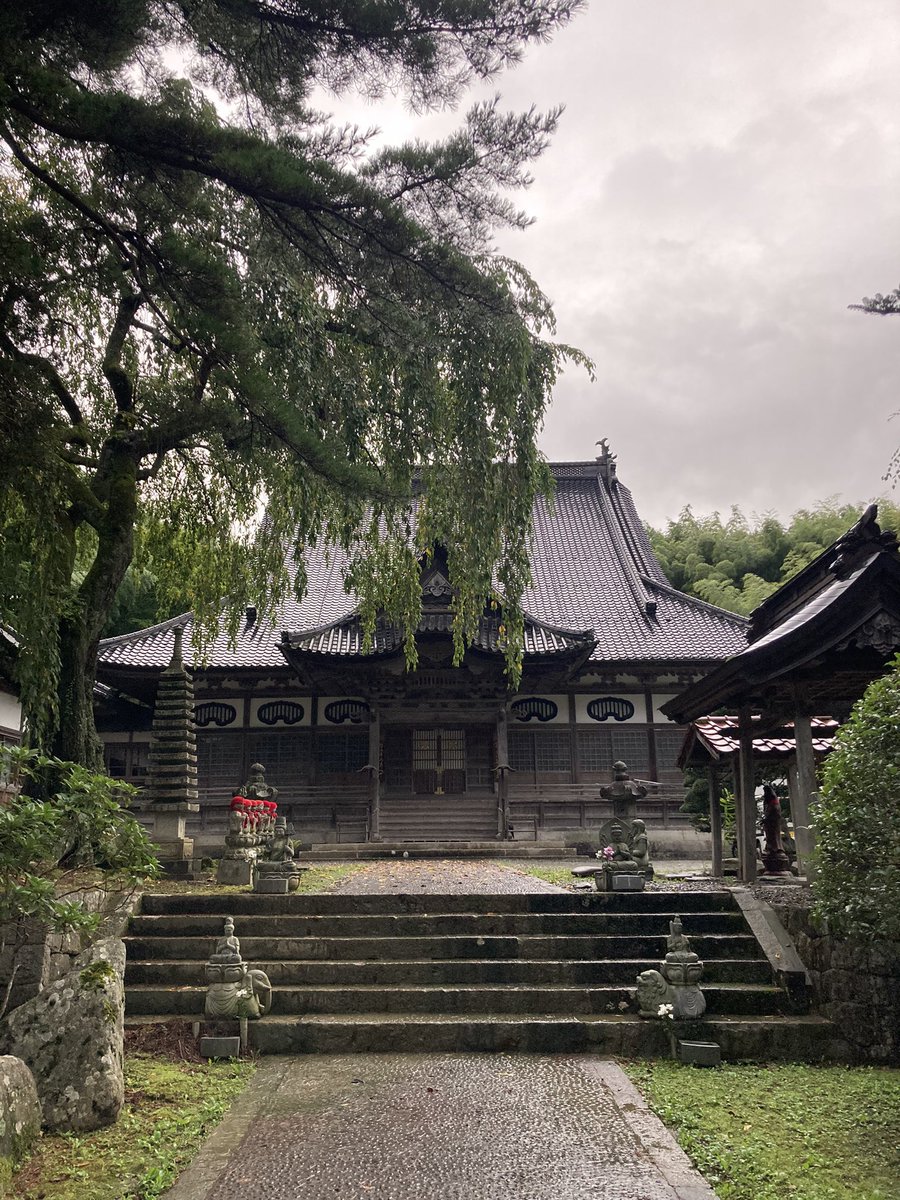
x=214 y=299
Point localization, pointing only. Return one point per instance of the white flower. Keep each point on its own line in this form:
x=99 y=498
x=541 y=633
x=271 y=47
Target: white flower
x=666 y=1011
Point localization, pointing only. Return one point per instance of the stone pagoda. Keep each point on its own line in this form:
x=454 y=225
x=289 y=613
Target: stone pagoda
x=171 y=791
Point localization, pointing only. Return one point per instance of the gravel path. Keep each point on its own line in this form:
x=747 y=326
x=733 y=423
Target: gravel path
x=443 y=876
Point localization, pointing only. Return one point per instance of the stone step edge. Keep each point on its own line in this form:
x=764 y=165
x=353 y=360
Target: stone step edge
x=805 y=1020
x=329 y=989
x=369 y=962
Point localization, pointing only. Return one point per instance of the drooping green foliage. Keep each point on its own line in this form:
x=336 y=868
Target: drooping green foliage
x=216 y=302
x=857 y=819
x=737 y=563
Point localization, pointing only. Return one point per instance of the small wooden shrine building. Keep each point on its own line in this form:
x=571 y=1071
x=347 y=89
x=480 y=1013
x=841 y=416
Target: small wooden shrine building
x=362 y=749
x=815 y=646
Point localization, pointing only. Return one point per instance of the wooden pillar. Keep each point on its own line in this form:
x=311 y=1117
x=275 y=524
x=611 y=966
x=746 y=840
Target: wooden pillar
x=375 y=777
x=715 y=818
x=502 y=775
x=745 y=797
x=806 y=786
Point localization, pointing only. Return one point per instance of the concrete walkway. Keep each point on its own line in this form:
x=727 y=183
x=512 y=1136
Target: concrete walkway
x=440 y=1127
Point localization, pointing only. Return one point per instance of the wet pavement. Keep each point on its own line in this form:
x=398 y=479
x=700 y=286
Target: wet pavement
x=441 y=1126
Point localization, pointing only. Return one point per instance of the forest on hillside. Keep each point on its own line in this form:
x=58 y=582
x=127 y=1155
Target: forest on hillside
x=736 y=562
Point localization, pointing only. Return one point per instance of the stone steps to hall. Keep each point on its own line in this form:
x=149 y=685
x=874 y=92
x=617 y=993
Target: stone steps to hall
x=742 y=999
x=536 y=972
x=452 y=972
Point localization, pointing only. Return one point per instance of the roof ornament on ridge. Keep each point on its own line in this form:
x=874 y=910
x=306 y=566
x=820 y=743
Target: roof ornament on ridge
x=866 y=534
x=607 y=461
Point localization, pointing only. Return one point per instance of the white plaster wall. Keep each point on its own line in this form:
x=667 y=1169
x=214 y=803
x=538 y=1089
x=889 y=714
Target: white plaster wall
x=10 y=712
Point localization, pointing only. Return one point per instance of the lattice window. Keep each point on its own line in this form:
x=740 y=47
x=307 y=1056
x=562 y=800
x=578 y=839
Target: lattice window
x=553 y=750
x=342 y=753
x=668 y=747
x=631 y=747
x=220 y=760
x=595 y=754
x=521 y=750
x=287 y=756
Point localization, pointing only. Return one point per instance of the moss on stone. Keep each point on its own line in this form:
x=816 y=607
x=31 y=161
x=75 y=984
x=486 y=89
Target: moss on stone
x=97 y=975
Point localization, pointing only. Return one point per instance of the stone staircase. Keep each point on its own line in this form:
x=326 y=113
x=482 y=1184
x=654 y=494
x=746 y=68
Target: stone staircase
x=446 y=818
x=536 y=972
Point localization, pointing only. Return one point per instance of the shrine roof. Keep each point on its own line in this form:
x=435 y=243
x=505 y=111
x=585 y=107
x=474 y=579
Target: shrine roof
x=711 y=738
x=594 y=573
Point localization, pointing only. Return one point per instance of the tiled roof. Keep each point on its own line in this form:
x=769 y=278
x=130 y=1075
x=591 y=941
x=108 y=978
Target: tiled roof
x=719 y=736
x=592 y=568
x=345 y=638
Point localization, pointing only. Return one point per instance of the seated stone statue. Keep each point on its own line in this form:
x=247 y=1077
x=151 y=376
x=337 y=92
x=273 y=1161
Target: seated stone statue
x=640 y=848
x=233 y=989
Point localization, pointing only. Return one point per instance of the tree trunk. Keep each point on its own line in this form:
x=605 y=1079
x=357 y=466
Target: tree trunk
x=79 y=632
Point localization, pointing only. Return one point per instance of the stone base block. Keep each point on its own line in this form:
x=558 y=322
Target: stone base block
x=182 y=868
x=272 y=885
x=700 y=1054
x=627 y=883
x=176 y=848
x=220 y=1047
x=234 y=872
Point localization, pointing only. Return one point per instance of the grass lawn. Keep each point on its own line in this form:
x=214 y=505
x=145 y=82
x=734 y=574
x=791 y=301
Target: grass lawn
x=169 y=1108
x=320 y=878
x=785 y=1131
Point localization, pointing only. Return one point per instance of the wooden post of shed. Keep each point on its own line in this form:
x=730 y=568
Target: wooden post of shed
x=746 y=800
x=502 y=772
x=715 y=818
x=806 y=786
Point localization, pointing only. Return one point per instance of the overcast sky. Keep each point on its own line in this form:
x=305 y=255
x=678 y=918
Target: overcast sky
x=724 y=182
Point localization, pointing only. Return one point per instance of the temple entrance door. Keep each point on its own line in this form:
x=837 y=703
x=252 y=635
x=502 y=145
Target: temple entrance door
x=439 y=761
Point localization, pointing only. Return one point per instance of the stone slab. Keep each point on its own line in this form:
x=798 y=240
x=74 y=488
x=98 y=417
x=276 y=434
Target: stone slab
x=220 y=1047
x=271 y=886
x=627 y=883
x=700 y=1054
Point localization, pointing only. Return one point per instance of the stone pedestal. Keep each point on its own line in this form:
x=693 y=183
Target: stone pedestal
x=234 y=872
x=626 y=883
x=168 y=829
x=271 y=885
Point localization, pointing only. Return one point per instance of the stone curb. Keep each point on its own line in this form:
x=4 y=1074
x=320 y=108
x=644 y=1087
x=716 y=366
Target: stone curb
x=654 y=1138
x=197 y=1181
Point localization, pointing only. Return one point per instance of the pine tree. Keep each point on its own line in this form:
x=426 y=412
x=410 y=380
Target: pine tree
x=214 y=299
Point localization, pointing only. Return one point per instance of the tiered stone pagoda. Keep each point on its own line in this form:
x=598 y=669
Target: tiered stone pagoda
x=171 y=792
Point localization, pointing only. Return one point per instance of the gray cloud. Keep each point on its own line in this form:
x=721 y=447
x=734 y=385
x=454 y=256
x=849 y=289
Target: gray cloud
x=724 y=183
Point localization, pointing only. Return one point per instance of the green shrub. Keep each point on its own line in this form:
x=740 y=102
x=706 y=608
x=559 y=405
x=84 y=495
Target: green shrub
x=857 y=819
x=51 y=849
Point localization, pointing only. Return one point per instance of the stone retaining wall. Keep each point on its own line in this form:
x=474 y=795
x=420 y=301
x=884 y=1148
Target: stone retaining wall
x=854 y=985
x=39 y=957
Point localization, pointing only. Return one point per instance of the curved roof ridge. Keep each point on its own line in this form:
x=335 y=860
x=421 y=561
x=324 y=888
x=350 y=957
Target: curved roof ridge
x=740 y=621
x=121 y=639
